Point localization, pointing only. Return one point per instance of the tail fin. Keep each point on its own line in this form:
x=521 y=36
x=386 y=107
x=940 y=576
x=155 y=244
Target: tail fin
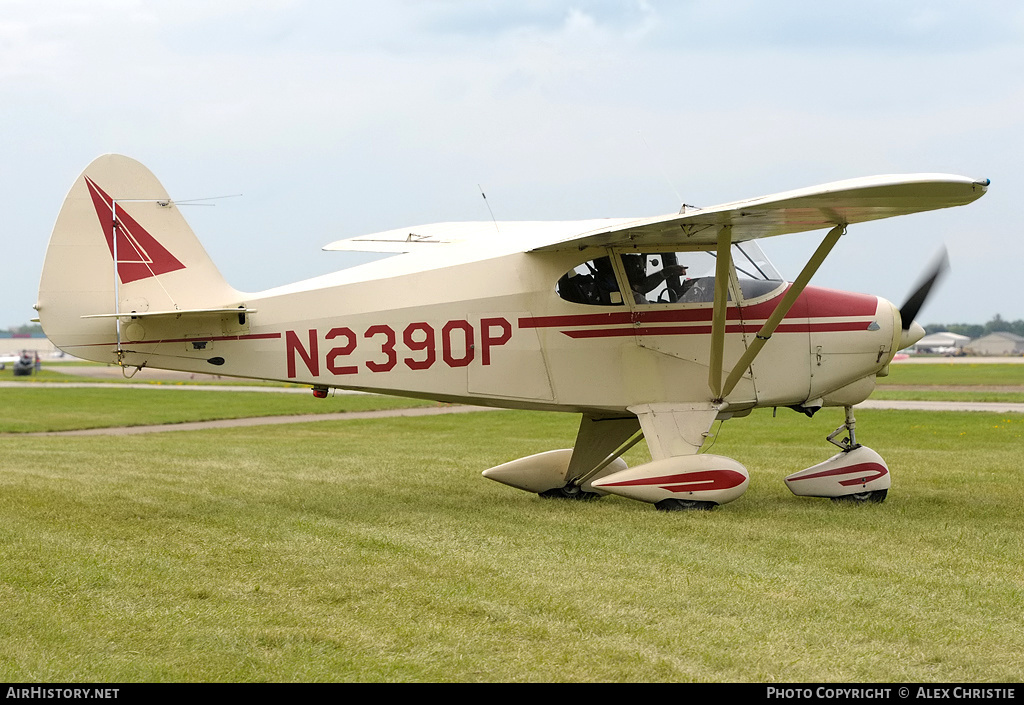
x=120 y=245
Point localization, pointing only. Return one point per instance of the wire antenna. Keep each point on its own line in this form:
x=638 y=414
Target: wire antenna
x=195 y=201
x=489 y=207
x=661 y=168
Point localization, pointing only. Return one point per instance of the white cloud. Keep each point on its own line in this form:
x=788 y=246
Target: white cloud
x=336 y=118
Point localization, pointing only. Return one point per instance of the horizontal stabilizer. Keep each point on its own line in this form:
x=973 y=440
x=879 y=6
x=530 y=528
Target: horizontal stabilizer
x=430 y=237
x=175 y=313
x=408 y=239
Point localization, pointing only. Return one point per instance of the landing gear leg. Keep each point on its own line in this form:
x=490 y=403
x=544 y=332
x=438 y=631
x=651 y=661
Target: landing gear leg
x=850 y=428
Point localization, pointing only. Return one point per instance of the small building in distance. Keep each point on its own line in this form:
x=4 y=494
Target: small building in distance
x=1003 y=344
x=37 y=344
x=944 y=343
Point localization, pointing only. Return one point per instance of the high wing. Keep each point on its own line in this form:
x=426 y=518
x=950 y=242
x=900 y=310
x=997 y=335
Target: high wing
x=813 y=208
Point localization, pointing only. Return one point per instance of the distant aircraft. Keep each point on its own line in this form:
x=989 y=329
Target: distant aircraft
x=23 y=363
x=649 y=328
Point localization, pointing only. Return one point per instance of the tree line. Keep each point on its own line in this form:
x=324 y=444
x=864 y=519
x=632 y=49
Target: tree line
x=27 y=329
x=973 y=330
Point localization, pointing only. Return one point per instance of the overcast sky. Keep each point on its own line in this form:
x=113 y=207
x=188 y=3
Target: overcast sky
x=336 y=119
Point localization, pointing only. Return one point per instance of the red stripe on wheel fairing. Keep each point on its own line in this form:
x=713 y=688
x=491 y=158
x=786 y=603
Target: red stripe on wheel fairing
x=688 y=481
x=861 y=470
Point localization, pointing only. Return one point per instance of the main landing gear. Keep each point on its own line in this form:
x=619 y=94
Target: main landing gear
x=570 y=491
x=688 y=482
x=856 y=474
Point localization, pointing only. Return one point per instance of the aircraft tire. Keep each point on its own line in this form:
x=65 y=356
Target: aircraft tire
x=570 y=491
x=684 y=505
x=875 y=497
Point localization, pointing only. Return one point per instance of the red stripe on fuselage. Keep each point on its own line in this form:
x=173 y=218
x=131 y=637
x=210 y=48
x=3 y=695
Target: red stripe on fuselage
x=706 y=330
x=813 y=303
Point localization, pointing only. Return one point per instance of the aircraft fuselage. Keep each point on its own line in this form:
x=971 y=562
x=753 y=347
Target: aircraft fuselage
x=465 y=334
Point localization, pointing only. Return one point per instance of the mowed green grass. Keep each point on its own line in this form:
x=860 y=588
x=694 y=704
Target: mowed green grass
x=954 y=373
x=58 y=408
x=52 y=373
x=995 y=382
x=375 y=551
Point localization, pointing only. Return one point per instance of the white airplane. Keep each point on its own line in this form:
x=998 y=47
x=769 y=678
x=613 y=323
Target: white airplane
x=649 y=328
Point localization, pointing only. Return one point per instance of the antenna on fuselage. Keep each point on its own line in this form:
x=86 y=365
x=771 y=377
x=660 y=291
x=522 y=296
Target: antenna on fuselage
x=488 y=207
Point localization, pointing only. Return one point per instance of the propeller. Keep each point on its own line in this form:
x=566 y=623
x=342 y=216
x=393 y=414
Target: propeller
x=912 y=331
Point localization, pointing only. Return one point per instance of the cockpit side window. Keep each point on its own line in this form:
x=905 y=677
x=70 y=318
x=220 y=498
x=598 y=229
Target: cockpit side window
x=689 y=277
x=670 y=277
x=591 y=283
x=667 y=277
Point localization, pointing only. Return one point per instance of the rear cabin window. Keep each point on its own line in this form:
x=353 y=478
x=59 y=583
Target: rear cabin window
x=591 y=283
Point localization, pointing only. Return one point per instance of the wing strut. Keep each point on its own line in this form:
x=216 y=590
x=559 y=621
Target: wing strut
x=788 y=299
x=723 y=263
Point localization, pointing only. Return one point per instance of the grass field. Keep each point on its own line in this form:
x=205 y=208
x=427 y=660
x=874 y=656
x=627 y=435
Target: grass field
x=62 y=372
x=953 y=381
x=374 y=551
x=960 y=381
x=954 y=373
x=56 y=408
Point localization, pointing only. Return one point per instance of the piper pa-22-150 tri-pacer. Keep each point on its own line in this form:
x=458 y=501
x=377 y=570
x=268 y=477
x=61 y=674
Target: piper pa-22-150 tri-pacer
x=649 y=328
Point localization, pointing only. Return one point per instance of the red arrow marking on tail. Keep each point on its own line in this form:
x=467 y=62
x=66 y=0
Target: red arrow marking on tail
x=139 y=255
